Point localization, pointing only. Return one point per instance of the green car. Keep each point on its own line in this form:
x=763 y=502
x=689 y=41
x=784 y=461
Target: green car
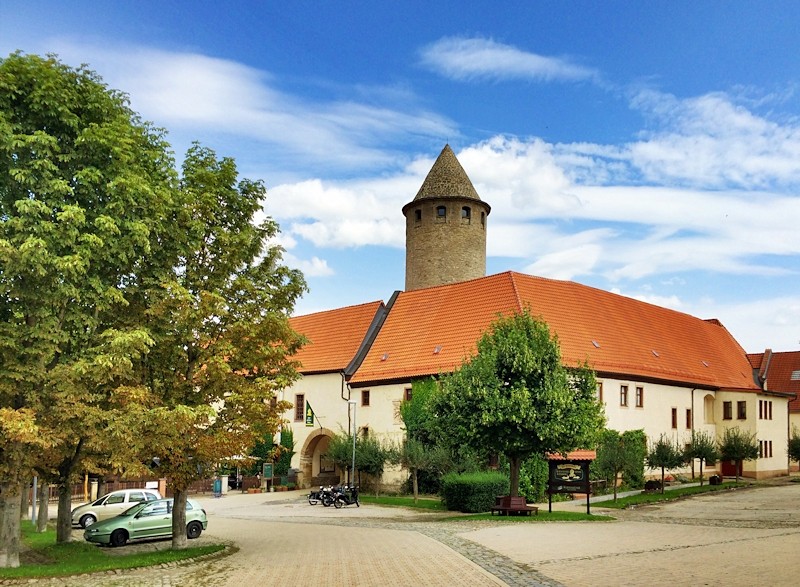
x=151 y=519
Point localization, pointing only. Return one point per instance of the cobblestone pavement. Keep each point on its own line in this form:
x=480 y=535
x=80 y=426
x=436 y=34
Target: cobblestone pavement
x=746 y=537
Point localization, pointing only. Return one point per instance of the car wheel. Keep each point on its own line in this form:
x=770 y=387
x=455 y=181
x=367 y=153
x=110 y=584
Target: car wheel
x=119 y=538
x=194 y=529
x=87 y=520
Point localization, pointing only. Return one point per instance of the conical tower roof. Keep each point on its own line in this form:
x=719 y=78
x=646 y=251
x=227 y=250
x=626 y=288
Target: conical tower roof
x=447 y=178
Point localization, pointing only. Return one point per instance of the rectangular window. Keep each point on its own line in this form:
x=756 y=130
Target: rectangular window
x=764 y=409
x=600 y=391
x=407 y=395
x=365 y=397
x=299 y=407
x=623 y=395
x=741 y=410
x=770 y=448
x=688 y=418
x=760 y=449
x=727 y=410
x=640 y=397
x=674 y=417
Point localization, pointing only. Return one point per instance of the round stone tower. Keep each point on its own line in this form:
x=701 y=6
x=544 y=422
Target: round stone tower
x=445 y=227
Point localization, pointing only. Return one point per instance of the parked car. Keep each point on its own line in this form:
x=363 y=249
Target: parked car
x=146 y=520
x=110 y=505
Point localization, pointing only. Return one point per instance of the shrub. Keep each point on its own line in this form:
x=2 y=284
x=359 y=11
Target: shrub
x=533 y=479
x=473 y=492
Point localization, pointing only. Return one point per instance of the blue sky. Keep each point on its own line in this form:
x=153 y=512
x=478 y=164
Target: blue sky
x=650 y=149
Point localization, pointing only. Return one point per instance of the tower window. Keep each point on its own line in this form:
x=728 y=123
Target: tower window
x=483 y=218
x=441 y=213
x=466 y=215
x=418 y=215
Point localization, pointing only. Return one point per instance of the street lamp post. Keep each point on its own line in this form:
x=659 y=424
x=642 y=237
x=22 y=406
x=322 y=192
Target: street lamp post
x=353 y=468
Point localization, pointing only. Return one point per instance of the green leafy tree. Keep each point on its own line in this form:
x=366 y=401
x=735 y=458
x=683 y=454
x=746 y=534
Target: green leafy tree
x=419 y=451
x=372 y=455
x=416 y=456
x=617 y=453
x=222 y=341
x=665 y=455
x=340 y=453
x=794 y=445
x=738 y=445
x=263 y=451
x=703 y=448
x=416 y=413
x=285 y=452
x=85 y=197
x=515 y=397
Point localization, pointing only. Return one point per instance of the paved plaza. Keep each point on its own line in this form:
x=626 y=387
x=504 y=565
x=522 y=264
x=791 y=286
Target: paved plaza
x=744 y=537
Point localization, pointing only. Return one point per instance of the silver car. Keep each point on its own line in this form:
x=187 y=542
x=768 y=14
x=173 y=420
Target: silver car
x=110 y=505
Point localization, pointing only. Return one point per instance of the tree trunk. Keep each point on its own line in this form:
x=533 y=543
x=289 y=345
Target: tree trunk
x=616 y=478
x=415 y=483
x=9 y=524
x=701 y=472
x=179 y=541
x=515 y=464
x=43 y=515
x=24 y=501
x=662 y=480
x=64 y=515
x=737 y=464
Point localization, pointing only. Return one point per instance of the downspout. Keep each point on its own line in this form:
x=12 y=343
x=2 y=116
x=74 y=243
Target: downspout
x=692 y=428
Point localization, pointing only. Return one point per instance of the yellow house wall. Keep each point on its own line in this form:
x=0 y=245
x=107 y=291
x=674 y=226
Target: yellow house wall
x=775 y=430
x=382 y=419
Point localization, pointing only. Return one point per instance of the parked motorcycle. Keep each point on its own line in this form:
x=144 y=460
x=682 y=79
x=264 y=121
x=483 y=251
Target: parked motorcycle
x=315 y=496
x=347 y=495
x=324 y=495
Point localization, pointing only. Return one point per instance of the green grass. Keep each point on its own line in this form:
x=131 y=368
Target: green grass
x=668 y=495
x=543 y=516
x=423 y=503
x=435 y=504
x=44 y=558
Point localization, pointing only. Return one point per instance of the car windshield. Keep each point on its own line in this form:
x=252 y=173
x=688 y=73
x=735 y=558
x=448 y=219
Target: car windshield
x=133 y=510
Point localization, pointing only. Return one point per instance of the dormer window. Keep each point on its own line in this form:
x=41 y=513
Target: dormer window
x=441 y=213
x=466 y=215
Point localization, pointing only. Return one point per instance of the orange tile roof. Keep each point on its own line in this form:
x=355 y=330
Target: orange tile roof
x=782 y=373
x=333 y=336
x=575 y=455
x=431 y=331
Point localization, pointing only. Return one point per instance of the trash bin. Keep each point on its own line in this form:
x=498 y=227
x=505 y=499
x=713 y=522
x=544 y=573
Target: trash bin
x=217 y=487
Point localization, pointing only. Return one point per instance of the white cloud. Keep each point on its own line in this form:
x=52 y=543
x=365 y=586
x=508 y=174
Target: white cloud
x=713 y=142
x=191 y=92
x=464 y=58
x=313 y=267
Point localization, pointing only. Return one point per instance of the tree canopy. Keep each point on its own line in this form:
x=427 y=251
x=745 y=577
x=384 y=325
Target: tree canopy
x=144 y=312
x=86 y=193
x=516 y=397
x=738 y=445
x=220 y=323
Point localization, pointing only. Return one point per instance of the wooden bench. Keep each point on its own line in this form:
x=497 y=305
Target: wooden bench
x=506 y=505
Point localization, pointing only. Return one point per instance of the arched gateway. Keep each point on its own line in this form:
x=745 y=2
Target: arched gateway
x=315 y=467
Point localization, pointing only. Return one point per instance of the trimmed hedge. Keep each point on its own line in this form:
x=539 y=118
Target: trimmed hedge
x=473 y=492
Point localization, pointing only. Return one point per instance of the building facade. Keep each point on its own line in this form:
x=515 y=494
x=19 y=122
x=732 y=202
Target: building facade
x=659 y=370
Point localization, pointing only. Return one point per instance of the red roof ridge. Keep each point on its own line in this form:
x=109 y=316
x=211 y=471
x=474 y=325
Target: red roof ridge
x=340 y=309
